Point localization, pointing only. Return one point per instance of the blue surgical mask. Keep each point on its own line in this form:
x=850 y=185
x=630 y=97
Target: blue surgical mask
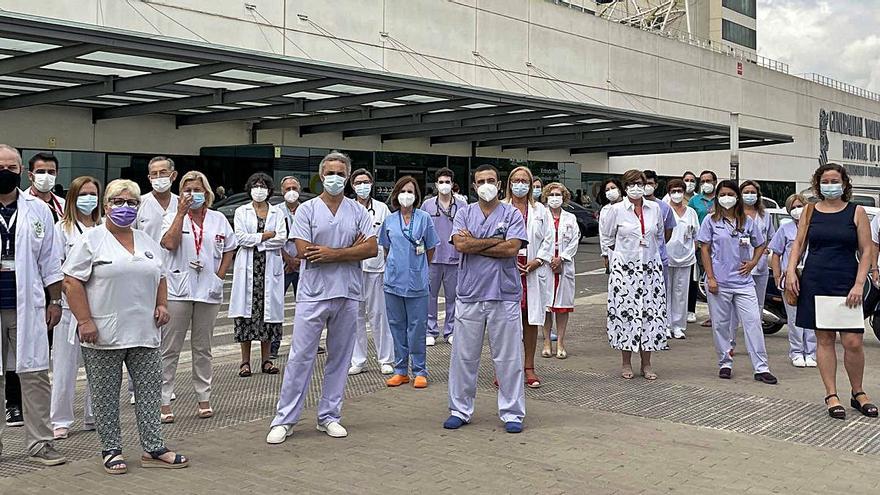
x=198 y=200
x=831 y=191
x=536 y=193
x=750 y=198
x=333 y=184
x=519 y=189
x=86 y=204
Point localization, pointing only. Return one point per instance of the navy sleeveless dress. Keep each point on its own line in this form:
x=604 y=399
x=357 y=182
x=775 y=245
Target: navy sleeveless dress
x=831 y=266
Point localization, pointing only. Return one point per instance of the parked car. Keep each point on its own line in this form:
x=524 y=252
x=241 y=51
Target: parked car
x=588 y=220
x=228 y=205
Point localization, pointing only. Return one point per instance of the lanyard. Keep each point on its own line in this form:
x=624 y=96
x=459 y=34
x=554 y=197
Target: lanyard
x=642 y=220
x=57 y=206
x=9 y=233
x=198 y=235
x=404 y=231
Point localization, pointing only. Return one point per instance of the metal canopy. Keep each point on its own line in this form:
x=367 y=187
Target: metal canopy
x=120 y=74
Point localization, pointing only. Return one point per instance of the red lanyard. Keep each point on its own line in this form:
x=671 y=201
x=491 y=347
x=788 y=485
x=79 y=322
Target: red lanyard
x=642 y=220
x=58 y=208
x=199 y=236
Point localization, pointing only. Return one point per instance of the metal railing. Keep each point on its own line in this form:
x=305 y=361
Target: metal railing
x=840 y=85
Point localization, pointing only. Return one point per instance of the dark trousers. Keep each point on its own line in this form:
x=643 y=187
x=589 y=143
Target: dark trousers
x=13 y=390
x=289 y=279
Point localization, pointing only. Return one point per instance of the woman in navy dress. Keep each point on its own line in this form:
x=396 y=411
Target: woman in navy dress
x=839 y=243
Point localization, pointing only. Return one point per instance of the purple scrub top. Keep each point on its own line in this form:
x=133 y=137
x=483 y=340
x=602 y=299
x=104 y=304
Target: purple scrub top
x=445 y=253
x=782 y=242
x=730 y=247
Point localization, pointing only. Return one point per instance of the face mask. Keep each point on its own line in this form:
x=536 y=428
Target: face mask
x=161 y=184
x=612 y=194
x=519 y=189
x=259 y=194
x=750 y=198
x=796 y=213
x=444 y=188
x=123 y=216
x=536 y=193
x=291 y=196
x=333 y=184
x=635 y=192
x=831 y=191
x=44 y=182
x=9 y=180
x=676 y=197
x=690 y=186
x=727 y=202
x=363 y=190
x=649 y=190
x=198 y=200
x=487 y=192
x=406 y=199
x=707 y=187
x=554 y=201
x=86 y=204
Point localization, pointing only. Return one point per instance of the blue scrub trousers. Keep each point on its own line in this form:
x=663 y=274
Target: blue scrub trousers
x=408 y=321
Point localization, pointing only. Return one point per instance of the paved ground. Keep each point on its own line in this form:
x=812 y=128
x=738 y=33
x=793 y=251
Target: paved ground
x=587 y=431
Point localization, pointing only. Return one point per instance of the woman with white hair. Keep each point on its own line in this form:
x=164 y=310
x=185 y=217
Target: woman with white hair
x=115 y=285
x=567 y=236
x=196 y=270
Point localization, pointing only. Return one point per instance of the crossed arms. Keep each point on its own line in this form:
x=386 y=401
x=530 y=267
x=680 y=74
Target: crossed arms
x=492 y=247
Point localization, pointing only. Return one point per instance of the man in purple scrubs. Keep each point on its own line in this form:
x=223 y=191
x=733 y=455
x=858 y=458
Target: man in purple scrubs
x=444 y=265
x=488 y=234
x=334 y=233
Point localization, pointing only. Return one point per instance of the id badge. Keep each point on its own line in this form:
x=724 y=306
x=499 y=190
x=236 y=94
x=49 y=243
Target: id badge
x=744 y=241
x=643 y=242
x=7 y=265
x=196 y=265
x=420 y=247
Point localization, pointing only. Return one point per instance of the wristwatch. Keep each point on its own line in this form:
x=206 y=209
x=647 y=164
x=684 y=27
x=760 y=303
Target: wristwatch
x=56 y=302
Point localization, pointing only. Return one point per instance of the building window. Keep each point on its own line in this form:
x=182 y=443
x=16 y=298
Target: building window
x=744 y=7
x=739 y=34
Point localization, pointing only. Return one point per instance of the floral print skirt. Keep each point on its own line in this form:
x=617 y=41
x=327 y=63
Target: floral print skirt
x=637 y=317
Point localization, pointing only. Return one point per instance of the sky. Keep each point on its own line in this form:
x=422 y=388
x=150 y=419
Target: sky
x=835 y=38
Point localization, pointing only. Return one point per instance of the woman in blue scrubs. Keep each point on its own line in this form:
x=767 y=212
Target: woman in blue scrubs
x=409 y=239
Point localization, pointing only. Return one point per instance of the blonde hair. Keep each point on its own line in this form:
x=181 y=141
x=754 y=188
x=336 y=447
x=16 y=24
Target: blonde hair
x=68 y=219
x=508 y=194
x=566 y=194
x=119 y=186
x=194 y=175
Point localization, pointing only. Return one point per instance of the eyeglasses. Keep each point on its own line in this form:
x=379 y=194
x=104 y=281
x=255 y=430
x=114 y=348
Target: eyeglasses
x=134 y=203
x=160 y=173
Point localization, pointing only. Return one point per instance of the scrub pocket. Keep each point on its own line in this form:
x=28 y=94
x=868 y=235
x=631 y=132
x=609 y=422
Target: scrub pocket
x=178 y=283
x=215 y=290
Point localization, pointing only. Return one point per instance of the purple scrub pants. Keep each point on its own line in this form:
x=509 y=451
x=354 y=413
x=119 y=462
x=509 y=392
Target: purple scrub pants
x=504 y=322
x=447 y=275
x=339 y=315
x=744 y=303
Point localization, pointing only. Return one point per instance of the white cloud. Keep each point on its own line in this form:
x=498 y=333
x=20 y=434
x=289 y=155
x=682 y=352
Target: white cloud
x=835 y=38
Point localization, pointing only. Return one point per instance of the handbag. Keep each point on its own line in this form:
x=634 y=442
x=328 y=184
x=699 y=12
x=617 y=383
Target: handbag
x=790 y=298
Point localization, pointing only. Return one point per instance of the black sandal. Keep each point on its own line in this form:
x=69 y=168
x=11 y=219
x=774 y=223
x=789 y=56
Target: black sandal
x=836 y=412
x=156 y=461
x=113 y=458
x=244 y=370
x=269 y=368
x=867 y=409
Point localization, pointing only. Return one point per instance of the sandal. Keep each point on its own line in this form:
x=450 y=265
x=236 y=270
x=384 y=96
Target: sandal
x=627 y=373
x=648 y=374
x=166 y=418
x=547 y=352
x=206 y=413
x=244 y=370
x=867 y=409
x=269 y=368
x=155 y=460
x=561 y=354
x=533 y=382
x=836 y=412
x=112 y=459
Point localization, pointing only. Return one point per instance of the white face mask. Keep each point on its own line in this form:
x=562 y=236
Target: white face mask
x=554 y=201
x=707 y=187
x=291 y=196
x=612 y=194
x=333 y=184
x=406 y=199
x=635 y=192
x=519 y=189
x=649 y=190
x=750 y=198
x=727 y=202
x=161 y=184
x=690 y=186
x=796 y=213
x=444 y=188
x=259 y=194
x=363 y=190
x=487 y=192
x=676 y=197
x=44 y=182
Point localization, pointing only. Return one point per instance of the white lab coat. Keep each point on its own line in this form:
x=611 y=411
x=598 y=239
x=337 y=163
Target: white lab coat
x=37 y=265
x=539 y=230
x=241 y=300
x=379 y=212
x=567 y=243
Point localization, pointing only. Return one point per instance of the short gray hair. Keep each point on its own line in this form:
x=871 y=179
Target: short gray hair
x=335 y=156
x=161 y=159
x=13 y=150
x=287 y=178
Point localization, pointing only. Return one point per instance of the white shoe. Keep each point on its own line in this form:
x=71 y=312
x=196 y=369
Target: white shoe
x=798 y=362
x=386 y=369
x=692 y=318
x=678 y=333
x=810 y=362
x=333 y=429
x=131 y=398
x=173 y=396
x=278 y=434
x=668 y=333
x=355 y=370
x=449 y=339
x=430 y=341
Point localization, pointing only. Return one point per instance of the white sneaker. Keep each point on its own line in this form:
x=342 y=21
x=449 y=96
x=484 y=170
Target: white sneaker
x=355 y=370
x=173 y=396
x=449 y=339
x=333 y=429
x=387 y=369
x=810 y=362
x=131 y=398
x=678 y=333
x=278 y=434
x=668 y=333
x=692 y=317
x=798 y=362
x=429 y=341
